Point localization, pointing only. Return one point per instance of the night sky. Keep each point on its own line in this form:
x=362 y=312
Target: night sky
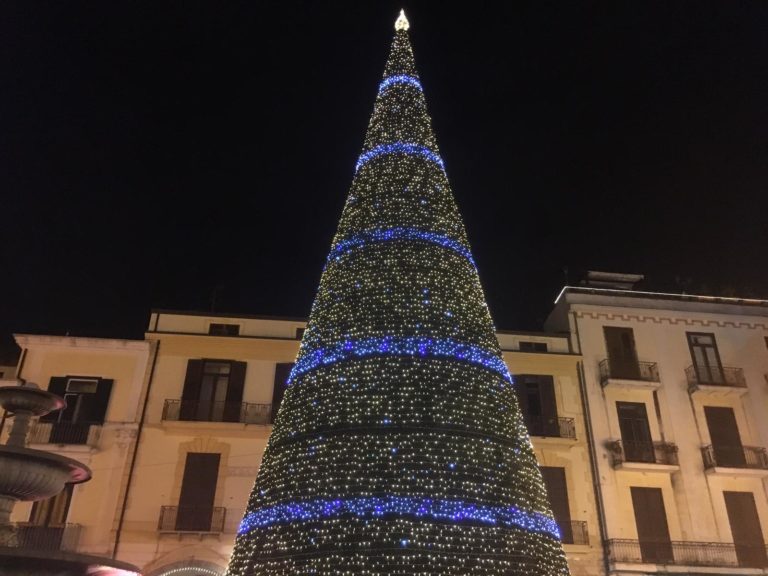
x=194 y=154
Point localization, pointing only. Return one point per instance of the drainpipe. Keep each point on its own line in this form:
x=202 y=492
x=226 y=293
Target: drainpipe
x=135 y=454
x=592 y=452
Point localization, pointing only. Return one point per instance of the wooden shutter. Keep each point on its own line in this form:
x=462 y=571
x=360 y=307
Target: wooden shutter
x=635 y=431
x=198 y=491
x=58 y=386
x=724 y=433
x=95 y=405
x=282 y=371
x=651 y=522
x=191 y=393
x=622 y=356
x=233 y=406
x=548 y=406
x=745 y=529
x=557 y=490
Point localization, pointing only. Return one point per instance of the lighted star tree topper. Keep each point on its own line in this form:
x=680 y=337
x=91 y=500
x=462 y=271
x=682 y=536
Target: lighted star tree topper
x=399 y=447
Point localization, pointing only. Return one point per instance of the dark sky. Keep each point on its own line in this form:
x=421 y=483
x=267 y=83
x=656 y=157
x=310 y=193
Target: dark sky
x=151 y=154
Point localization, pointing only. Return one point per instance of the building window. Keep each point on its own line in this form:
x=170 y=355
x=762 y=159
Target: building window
x=635 y=432
x=213 y=391
x=557 y=490
x=527 y=346
x=724 y=436
x=745 y=529
x=299 y=333
x=52 y=511
x=652 y=528
x=706 y=358
x=87 y=400
x=220 y=329
x=622 y=354
x=536 y=395
x=198 y=491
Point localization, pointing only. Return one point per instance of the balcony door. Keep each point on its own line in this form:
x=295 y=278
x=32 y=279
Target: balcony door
x=652 y=528
x=536 y=395
x=282 y=371
x=706 y=358
x=635 y=432
x=213 y=391
x=622 y=355
x=724 y=434
x=198 y=490
x=745 y=529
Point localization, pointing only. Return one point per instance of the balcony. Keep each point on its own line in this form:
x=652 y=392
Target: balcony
x=737 y=460
x=197 y=519
x=194 y=411
x=573 y=532
x=643 y=375
x=648 y=456
x=550 y=427
x=64 y=433
x=712 y=554
x=63 y=538
x=716 y=380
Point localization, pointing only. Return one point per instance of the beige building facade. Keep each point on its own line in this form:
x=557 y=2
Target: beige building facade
x=676 y=390
x=187 y=416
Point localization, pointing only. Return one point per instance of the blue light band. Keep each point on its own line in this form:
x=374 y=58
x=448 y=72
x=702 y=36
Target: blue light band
x=387 y=234
x=407 y=148
x=399 y=79
x=422 y=346
x=377 y=506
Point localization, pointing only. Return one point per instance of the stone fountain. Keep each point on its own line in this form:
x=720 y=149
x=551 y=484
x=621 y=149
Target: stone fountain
x=30 y=475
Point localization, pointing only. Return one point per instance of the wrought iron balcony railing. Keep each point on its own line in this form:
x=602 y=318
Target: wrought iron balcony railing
x=715 y=376
x=648 y=452
x=754 y=457
x=715 y=554
x=64 y=537
x=192 y=519
x=640 y=371
x=194 y=411
x=573 y=531
x=550 y=427
x=86 y=433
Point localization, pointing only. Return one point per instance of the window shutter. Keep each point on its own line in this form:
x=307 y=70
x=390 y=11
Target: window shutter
x=191 y=394
x=235 y=386
x=282 y=371
x=198 y=490
x=651 y=522
x=557 y=490
x=58 y=386
x=548 y=406
x=724 y=433
x=95 y=408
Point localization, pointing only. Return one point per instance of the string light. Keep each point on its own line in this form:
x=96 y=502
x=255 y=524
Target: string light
x=399 y=148
x=399 y=448
x=453 y=511
x=364 y=238
x=399 y=79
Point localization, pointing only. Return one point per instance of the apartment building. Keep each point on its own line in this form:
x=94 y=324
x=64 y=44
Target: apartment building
x=676 y=389
x=175 y=425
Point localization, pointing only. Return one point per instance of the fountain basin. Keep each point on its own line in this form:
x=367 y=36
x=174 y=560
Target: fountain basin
x=30 y=400
x=35 y=475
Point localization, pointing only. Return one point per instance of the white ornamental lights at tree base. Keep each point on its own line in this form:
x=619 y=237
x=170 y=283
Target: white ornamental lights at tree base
x=399 y=447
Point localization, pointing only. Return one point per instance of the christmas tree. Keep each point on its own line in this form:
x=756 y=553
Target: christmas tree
x=399 y=447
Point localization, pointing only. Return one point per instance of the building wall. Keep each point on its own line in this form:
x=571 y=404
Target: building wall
x=94 y=505
x=572 y=454
x=693 y=498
